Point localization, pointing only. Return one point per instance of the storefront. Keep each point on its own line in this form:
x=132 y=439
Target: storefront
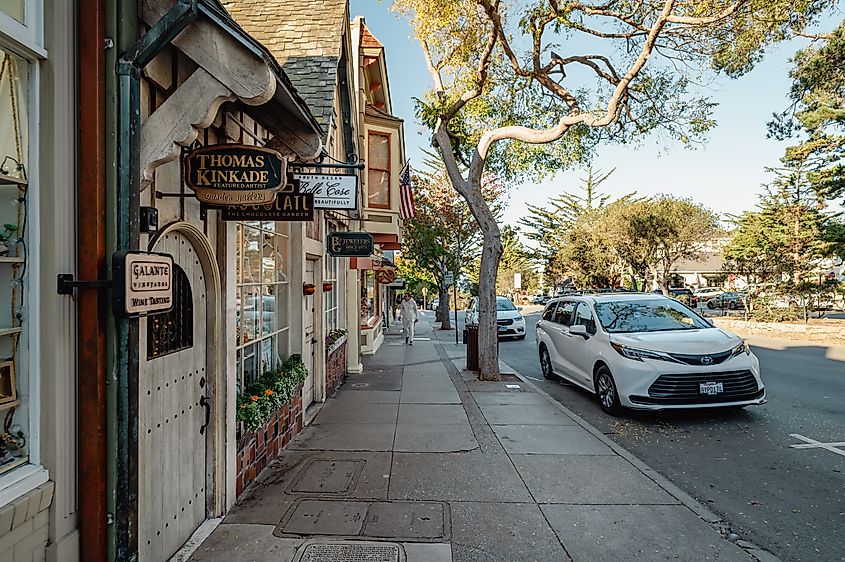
x=38 y=488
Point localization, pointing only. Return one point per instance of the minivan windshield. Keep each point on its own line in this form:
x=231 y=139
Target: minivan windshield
x=504 y=303
x=658 y=315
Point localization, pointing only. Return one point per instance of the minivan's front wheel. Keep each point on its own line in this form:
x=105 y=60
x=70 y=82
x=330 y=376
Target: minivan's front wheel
x=546 y=364
x=606 y=392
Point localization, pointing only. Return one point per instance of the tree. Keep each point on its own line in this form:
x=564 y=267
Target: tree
x=788 y=236
x=818 y=113
x=494 y=109
x=443 y=236
x=586 y=255
x=516 y=259
x=651 y=236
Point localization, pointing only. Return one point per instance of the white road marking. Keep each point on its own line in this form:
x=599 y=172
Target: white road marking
x=813 y=444
x=512 y=386
x=533 y=379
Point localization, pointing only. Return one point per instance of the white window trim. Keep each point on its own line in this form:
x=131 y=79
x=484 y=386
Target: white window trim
x=29 y=476
x=28 y=36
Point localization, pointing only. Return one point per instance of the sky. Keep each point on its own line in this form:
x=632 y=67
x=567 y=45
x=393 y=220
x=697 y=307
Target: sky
x=725 y=174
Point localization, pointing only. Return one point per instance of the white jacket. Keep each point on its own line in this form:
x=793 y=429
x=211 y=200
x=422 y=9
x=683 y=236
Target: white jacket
x=409 y=311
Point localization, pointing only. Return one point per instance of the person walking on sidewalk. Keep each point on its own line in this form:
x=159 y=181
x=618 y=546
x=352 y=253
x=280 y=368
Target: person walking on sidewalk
x=410 y=315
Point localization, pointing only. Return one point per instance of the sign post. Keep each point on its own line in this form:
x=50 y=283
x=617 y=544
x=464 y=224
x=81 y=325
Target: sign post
x=455 y=305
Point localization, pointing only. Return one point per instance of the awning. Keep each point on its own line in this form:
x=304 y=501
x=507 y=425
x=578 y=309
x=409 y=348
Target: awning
x=387 y=241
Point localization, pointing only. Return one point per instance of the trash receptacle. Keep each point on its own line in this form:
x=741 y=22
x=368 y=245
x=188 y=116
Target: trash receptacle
x=472 y=347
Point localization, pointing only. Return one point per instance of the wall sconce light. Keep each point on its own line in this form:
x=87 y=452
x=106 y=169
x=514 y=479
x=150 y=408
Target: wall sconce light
x=308 y=289
x=327 y=286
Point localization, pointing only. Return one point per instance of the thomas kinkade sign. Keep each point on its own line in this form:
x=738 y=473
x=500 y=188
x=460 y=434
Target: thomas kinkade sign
x=350 y=244
x=285 y=207
x=234 y=174
x=143 y=283
x=330 y=191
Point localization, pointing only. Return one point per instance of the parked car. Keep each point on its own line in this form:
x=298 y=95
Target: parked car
x=706 y=293
x=646 y=352
x=686 y=296
x=539 y=299
x=508 y=317
x=728 y=299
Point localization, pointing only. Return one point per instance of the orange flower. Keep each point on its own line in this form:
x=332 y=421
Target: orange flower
x=254 y=398
x=268 y=392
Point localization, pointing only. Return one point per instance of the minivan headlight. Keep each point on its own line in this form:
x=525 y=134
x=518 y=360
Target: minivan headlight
x=740 y=349
x=638 y=354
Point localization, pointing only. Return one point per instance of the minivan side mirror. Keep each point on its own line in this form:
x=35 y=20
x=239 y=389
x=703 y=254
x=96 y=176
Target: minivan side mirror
x=519 y=309
x=579 y=330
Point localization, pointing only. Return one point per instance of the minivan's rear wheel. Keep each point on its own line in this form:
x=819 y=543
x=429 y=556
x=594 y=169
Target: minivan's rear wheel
x=546 y=364
x=606 y=392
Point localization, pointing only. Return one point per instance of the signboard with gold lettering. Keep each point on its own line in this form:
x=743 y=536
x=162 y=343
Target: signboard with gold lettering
x=350 y=244
x=235 y=174
x=143 y=283
x=285 y=207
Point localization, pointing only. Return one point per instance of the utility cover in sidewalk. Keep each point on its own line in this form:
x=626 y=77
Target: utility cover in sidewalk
x=404 y=521
x=327 y=476
x=350 y=552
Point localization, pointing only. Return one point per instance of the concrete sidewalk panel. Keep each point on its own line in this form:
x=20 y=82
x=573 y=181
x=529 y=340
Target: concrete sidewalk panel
x=365 y=397
x=432 y=414
x=497 y=532
x=422 y=552
x=346 y=437
x=268 y=498
x=497 y=386
x=589 y=479
x=229 y=543
x=441 y=383
x=549 y=440
x=430 y=397
x=627 y=532
x=456 y=476
x=525 y=398
x=425 y=521
x=412 y=438
x=511 y=414
x=373 y=382
x=336 y=411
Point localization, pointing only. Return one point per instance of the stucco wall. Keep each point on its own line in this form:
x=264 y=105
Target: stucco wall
x=829 y=332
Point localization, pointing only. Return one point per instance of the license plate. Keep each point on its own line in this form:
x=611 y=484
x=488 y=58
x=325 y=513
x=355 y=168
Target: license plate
x=710 y=388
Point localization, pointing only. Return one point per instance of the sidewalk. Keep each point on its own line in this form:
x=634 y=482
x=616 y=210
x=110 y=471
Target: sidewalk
x=413 y=460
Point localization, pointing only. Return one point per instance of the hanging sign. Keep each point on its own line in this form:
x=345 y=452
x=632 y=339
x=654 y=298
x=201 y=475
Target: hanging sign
x=330 y=191
x=350 y=244
x=285 y=207
x=234 y=174
x=143 y=283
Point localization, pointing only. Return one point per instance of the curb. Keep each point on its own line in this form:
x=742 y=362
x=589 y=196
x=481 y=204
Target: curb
x=757 y=552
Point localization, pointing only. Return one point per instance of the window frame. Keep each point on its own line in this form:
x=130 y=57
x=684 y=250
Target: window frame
x=26 y=36
x=560 y=306
x=370 y=168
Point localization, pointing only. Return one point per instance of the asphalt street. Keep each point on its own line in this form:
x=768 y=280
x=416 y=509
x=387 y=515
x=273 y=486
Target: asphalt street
x=740 y=464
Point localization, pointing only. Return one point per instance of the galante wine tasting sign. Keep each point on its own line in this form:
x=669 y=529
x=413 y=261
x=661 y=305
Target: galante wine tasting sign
x=234 y=174
x=143 y=283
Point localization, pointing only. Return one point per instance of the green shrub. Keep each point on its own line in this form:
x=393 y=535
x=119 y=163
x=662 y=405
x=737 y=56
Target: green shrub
x=269 y=392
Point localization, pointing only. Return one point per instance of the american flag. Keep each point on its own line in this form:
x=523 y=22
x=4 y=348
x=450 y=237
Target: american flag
x=406 y=193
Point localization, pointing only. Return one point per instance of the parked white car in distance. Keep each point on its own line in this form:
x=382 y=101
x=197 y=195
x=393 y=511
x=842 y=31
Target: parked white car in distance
x=508 y=317
x=646 y=352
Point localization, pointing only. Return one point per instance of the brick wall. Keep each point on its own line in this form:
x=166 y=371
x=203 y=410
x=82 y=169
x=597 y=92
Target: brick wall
x=24 y=525
x=257 y=449
x=335 y=368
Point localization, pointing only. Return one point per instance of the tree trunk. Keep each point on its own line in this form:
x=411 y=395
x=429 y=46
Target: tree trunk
x=488 y=336
x=443 y=309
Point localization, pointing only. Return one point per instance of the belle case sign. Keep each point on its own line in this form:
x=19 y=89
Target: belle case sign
x=330 y=191
x=234 y=174
x=143 y=283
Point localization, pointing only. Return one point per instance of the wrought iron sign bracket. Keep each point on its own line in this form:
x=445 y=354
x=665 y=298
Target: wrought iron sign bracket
x=65 y=284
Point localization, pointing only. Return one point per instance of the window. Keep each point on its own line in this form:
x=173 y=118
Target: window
x=330 y=298
x=18 y=389
x=173 y=331
x=262 y=270
x=658 y=315
x=564 y=313
x=584 y=317
x=503 y=303
x=14 y=8
x=549 y=313
x=368 y=296
x=378 y=170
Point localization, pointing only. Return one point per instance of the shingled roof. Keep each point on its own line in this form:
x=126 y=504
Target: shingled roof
x=305 y=38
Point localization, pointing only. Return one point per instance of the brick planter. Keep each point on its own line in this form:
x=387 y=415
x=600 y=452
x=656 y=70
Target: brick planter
x=335 y=368
x=258 y=448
